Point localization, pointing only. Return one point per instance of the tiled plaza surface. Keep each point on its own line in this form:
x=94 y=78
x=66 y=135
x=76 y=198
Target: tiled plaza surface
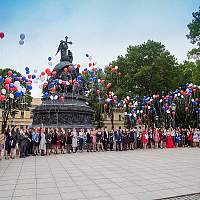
x=138 y=174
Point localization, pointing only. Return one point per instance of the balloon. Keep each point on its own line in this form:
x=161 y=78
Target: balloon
x=3 y=91
x=49 y=58
x=18 y=93
x=116 y=67
x=12 y=85
x=42 y=73
x=9 y=73
x=87 y=55
x=2 y=35
x=1 y=79
x=8 y=80
x=35 y=70
x=29 y=76
x=51 y=97
x=48 y=71
x=50 y=63
x=22 y=36
x=29 y=87
x=65 y=69
x=33 y=76
x=85 y=70
x=55 y=97
x=21 y=42
x=24 y=90
x=90 y=64
x=11 y=96
x=54 y=73
x=78 y=65
x=90 y=58
x=102 y=82
x=53 y=90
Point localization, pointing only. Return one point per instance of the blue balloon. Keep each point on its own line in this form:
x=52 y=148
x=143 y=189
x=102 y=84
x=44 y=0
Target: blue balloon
x=33 y=76
x=85 y=70
x=87 y=55
x=46 y=94
x=12 y=85
x=91 y=72
x=23 y=78
x=27 y=72
x=22 y=36
x=1 y=79
x=91 y=79
x=56 y=81
x=49 y=58
x=18 y=93
x=29 y=87
x=79 y=77
x=94 y=78
x=26 y=68
x=14 y=75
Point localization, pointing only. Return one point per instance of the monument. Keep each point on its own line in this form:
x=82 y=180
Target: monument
x=64 y=102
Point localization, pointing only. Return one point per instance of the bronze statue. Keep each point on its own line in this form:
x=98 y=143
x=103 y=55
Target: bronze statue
x=63 y=47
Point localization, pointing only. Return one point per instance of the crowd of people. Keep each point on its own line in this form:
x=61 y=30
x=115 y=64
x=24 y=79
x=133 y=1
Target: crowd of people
x=47 y=141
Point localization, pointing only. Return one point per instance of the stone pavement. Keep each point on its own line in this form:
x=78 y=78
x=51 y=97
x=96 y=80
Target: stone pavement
x=139 y=174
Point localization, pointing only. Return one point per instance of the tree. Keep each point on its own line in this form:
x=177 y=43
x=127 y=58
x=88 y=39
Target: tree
x=14 y=96
x=146 y=69
x=194 y=35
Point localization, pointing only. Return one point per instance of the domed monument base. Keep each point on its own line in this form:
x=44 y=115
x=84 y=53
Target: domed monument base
x=73 y=112
x=64 y=104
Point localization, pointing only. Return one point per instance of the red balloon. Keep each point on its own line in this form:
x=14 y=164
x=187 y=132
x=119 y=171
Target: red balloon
x=29 y=76
x=83 y=72
x=63 y=82
x=65 y=69
x=90 y=64
x=102 y=82
x=53 y=90
x=78 y=65
x=48 y=71
x=8 y=80
x=74 y=81
x=93 y=69
x=2 y=35
x=113 y=69
x=10 y=73
x=54 y=73
x=7 y=86
x=42 y=73
x=2 y=98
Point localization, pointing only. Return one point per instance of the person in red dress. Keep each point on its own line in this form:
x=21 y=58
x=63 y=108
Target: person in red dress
x=169 y=140
x=144 y=138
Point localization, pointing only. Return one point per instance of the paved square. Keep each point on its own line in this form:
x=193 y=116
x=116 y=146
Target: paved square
x=139 y=174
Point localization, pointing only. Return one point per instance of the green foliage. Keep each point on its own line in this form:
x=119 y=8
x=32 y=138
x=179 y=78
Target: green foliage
x=194 y=35
x=146 y=69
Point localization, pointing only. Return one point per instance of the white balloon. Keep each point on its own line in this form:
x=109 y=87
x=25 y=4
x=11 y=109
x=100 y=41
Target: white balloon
x=17 y=83
x=19 y=88
x=116 y=67
x=99 y=80
x=67 y=83
x=11 y=96
x=35 y=70
x=51 y=97
x=3 y=91
x=56 y=97
x=50 y=63
x=24 y=90
x=60 y=81
x=141 y=111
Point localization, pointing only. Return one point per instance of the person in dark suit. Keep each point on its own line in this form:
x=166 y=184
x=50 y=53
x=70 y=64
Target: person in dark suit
x=7 y=143
x=105 y=138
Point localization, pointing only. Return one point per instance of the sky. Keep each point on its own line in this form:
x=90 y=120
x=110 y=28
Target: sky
x=102 y=28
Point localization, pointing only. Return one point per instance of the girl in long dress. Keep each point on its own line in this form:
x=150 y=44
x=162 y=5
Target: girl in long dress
x=169 y=140
x=156 y=138
x=42 y=145
x=81 y=136
x=74 y=140
x=144 y=138
x=94 y=140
